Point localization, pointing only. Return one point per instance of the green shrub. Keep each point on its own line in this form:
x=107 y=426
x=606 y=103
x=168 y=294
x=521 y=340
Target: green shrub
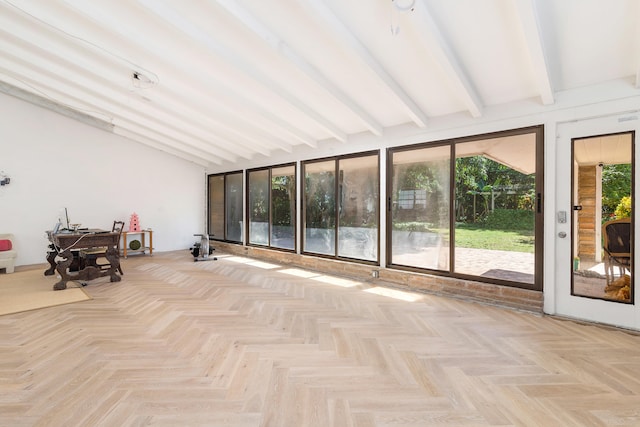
x=623 y=210
x=412 y=226
x=509 y=219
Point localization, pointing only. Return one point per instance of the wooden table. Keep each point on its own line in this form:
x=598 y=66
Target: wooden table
x=143 y=247
x=61 y=256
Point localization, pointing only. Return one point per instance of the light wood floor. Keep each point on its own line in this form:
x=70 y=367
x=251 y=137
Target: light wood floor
x=236 y=342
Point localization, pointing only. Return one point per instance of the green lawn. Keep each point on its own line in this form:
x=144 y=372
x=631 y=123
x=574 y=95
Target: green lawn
x=516 y=241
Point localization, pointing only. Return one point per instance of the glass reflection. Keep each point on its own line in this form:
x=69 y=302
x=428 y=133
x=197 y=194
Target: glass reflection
x=233 y=207
x=420 y=208
x=216 y=206
x=258 y=209
x=320 y=207
x=283 y=206
x=358 y=208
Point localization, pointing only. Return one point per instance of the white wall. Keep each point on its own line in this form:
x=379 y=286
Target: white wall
x=56 y=162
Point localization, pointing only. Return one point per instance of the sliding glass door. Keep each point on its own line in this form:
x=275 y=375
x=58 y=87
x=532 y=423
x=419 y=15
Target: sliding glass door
x=224 y=219
x=271 y=207
x=469 y=208
x=341 y=207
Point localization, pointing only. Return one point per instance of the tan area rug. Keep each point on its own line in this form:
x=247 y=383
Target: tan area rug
x=31 y=290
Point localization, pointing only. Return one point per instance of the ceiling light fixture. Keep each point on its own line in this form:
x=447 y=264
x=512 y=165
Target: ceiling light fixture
x=400 y=6
x=404 y=5
x=141 y=80
x=4 y=178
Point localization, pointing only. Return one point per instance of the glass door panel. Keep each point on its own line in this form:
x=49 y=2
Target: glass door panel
x=358 y=203
x=233 y=207
x=216 y=206
x=320 y=207
x=601 y=222
x=495 y=208
x=420 y=196
x=283 y=207
x=258 y=207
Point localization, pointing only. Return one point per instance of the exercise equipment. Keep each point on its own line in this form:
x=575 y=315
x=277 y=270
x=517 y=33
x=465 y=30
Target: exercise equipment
x=201 y=250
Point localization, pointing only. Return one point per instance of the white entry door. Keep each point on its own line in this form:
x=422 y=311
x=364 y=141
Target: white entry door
x=595 y=211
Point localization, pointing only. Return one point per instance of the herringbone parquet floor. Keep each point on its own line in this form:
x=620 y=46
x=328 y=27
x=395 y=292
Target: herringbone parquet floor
x=238 y=342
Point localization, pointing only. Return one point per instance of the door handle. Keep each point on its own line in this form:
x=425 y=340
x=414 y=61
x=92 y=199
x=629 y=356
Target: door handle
x=539 y=202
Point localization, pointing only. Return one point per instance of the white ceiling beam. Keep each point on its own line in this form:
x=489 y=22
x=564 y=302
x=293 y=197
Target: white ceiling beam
x=172 y=16
x=184 y=98
x=74 y=73
x=244 y=132
x=70 y=94
x=342 y=32
x=61 y=108
x=170 y=149
x=49 y=104
x=181 y=101
x=637 y=52
x=440 y=49
x=529 y=22
x=87 y=96
x=282 y=48
x=123 y=123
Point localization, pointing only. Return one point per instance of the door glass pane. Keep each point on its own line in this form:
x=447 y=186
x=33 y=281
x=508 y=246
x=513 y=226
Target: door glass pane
x=358 y=203
x=259 y=207
x=319 y=207
x=495 y=202
x=233 y=204
x=283 y=207
x=602 y=227
x=420 y=208
x=216 y=206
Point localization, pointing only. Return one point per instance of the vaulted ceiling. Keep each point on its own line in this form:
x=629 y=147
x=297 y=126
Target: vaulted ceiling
x=219 y=81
